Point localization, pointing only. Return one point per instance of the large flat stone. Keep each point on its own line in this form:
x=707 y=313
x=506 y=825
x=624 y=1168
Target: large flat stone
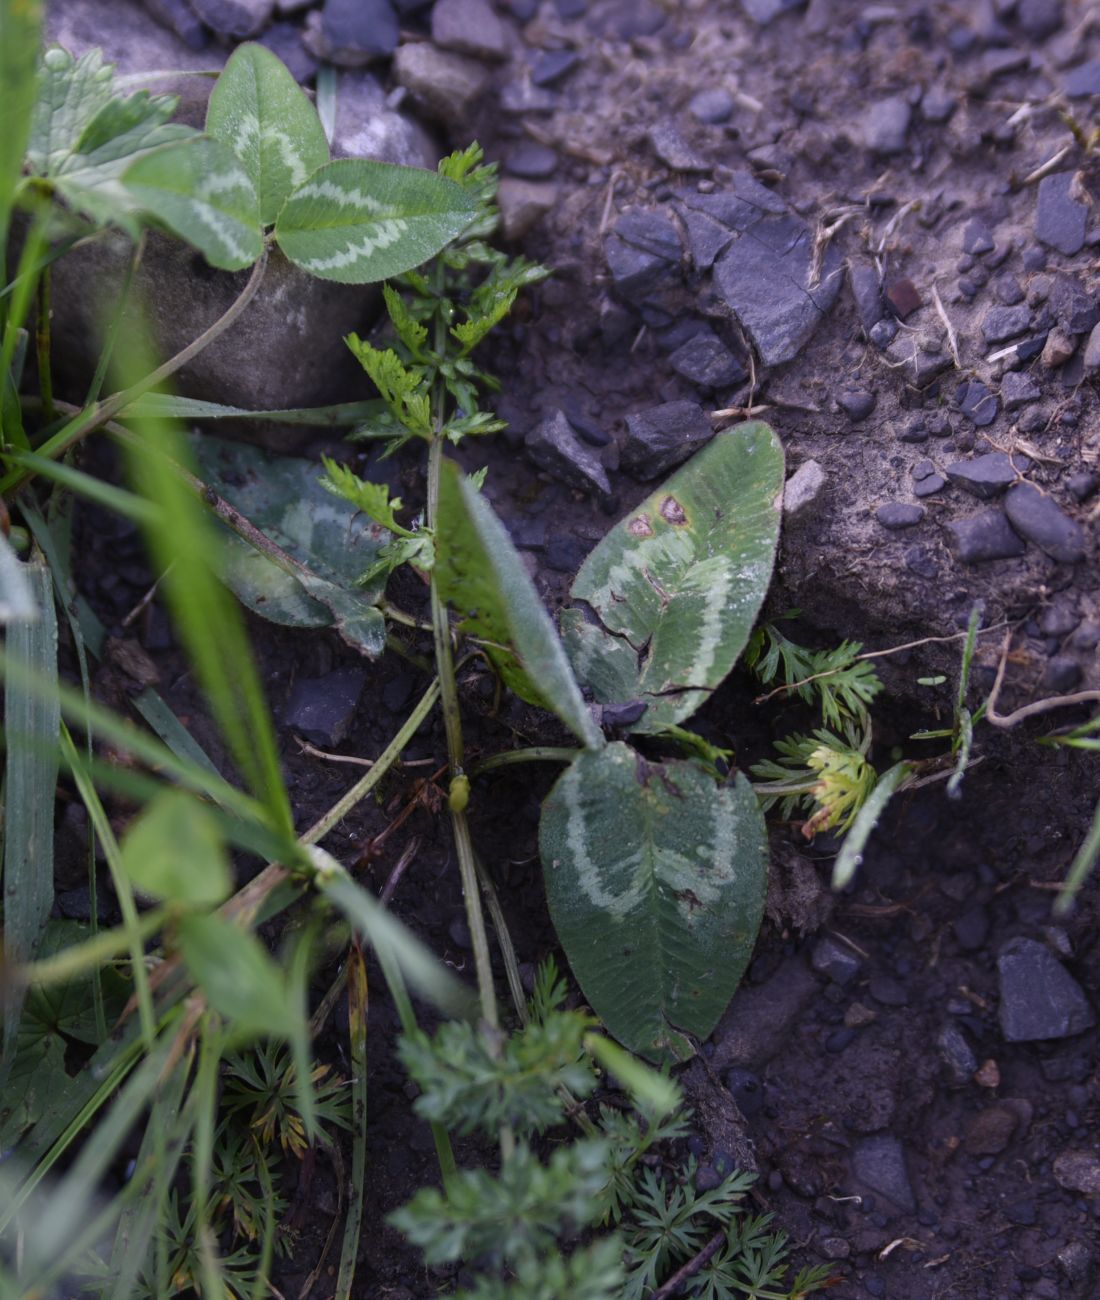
x=765 y=279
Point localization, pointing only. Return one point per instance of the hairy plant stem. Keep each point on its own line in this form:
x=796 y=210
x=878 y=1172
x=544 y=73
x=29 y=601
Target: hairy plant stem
x=96 y=416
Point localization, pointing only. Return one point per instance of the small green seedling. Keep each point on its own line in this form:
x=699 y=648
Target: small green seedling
x=260 y=172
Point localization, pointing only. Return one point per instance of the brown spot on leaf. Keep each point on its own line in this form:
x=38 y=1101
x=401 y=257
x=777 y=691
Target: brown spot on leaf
x=672 y=511
x=640 y=527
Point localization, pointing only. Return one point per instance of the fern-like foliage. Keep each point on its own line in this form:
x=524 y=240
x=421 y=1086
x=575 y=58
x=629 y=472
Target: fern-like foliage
x=844 y=684
x=825 y=775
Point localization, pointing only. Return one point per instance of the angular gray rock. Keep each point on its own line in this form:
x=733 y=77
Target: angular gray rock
x=1018 y=388
x=238 y=19
x=180 y=18
x=706 y=361
x=985 y=536
x=353 y=33
x=1040 y=18
x=832 y=958
x=1002 y=323
x=284 y=40
x=367 y=127
x=322 y=708
x=1060 y=217
x=986 y=476
x=1078 y=1171
x=1038 y=518
x=642 y=250
x=802 y=489
x=662 y=436
x=885 y=125
x=1040 y=999
x=446 y=85
x=522 y=203
x=469 y=27
x=766 y=11
x=879 y=1163
x=554 y=446
x=764 y=277
x=866 y=287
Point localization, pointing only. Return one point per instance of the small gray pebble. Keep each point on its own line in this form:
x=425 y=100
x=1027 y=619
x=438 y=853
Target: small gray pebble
x=897 y=514
x=713 y=106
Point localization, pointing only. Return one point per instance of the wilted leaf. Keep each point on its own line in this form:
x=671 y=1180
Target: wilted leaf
x=199 y=190
x=482 y=576
x=174 y=851
x=656 y=877
x=356 y=221
x=260 y=112
x=677 y=584
x=283 y=497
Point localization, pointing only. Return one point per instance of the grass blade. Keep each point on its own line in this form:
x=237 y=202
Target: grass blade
x=357 y=1033
x=31 y=723
x=1083 y=863
x=384 y=932
x=20 y=35
x=162 y=406
x=209 y=623
x=850 y=857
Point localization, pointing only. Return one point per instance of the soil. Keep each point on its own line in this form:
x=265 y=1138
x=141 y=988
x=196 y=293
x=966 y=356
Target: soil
x=864 y=1066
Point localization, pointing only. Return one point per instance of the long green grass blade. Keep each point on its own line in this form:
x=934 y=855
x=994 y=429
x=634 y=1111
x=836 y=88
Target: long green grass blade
x=168 y=406
x=850 y=857
x=20 y=36
x=97 y=816
x=31 y=724
x=162 y=1146
x=357 y=1034
x=1083 y=864
x=49 y=1237
x=385 y=933
x=123 y=734
x=207 y=620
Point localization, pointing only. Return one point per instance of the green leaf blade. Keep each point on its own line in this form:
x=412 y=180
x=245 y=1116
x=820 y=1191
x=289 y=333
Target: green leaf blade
x=200 y=192
x=239 y=979
x=70 y=93
x=174 y=852
x=656 y=878
x=357 y=221
x=31 y=725
x=260 y=112
x=284 y=498
x=678 y=583
x=20 y=32
x=481 y=575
